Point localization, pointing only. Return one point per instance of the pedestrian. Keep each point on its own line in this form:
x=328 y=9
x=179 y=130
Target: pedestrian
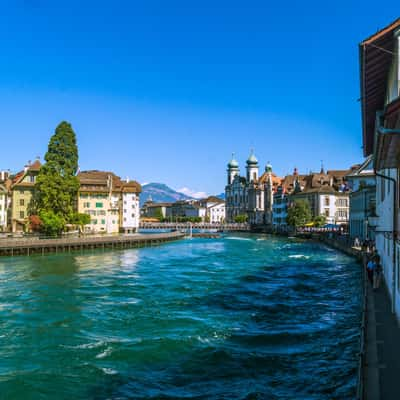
x=377 y=274
x=356 y=242
x=370 y=269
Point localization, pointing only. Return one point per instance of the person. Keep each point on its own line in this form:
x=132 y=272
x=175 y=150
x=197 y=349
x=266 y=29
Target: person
x=377 y=274
x=370 y=269
x=356 y=242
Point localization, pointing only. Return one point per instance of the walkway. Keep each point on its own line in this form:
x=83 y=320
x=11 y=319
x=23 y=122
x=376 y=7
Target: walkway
x=382 y=370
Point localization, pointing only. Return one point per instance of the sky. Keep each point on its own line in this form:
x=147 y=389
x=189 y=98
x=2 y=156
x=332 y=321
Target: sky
x=166 y=91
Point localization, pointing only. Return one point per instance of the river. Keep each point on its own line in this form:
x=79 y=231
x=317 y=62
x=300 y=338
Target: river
x=240 y=317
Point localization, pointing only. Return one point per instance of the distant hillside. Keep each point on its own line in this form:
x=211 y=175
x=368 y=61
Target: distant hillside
x=221 y=196
x=160 y=193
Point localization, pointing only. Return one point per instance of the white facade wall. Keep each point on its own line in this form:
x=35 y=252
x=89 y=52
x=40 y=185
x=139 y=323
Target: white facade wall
x=3 y=210
x=130 y=212
x=335 y=207
x=383 y=236
x=112 y=217
x=216 y=213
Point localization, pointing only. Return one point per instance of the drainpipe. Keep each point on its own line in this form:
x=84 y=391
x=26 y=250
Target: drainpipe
x=394 y=235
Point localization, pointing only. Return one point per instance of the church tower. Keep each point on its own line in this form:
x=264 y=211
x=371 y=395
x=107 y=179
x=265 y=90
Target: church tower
x=233 y=169
x=252 y=168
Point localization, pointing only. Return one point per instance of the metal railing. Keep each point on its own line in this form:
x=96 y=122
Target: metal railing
x=362 y=353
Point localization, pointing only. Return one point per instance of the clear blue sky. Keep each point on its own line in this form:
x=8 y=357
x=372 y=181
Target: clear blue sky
x=165 y=90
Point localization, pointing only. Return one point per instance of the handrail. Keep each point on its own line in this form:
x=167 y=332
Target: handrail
x=361 y=359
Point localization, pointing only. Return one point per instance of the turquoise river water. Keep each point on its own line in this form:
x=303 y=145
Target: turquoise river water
x=241 y=317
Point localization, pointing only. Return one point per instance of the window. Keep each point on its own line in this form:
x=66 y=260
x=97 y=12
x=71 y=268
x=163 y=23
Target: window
x=327 y=201
x=103 y=221
x=99 y=205
x=133 y=215
x=32 y=179
x=94 y=221
x=327 y=212
x=22 y=214
x=382 y=181
x=86 y=205
x=21 y=202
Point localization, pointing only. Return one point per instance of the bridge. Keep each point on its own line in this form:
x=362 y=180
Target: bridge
x=198 y=225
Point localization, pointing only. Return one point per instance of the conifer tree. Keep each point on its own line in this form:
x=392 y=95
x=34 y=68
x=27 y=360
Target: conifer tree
x=57 y=184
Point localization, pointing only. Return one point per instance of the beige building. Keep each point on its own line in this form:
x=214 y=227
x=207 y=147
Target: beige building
x=104 y=196
x=22 y=188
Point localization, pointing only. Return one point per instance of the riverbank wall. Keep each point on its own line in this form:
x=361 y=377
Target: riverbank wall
x=27 y=247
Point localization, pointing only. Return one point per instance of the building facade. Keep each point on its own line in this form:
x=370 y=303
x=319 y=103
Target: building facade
x=380 y=109
x=22 y=189
x=215 y=209
x=252 y=195
x=362 y=201
x=113 y=204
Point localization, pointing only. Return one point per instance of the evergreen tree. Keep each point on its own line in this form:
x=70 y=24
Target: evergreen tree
x=299 y=214
x=57 y=184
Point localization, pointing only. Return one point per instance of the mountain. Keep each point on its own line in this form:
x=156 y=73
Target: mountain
x=221 y=196
x=161 y=193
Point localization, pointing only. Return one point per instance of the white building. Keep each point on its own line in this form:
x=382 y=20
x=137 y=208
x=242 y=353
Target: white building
x=3 y=207
x=111 y=203
x=380 y=105
x=216 y=213
x=215 y=209
x=362 y=200
x=130 y=207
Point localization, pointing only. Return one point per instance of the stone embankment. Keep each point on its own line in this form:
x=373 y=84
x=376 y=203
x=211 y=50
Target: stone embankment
x=12 y=247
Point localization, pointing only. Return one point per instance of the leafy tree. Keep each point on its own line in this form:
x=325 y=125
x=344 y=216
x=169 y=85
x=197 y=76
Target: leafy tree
x=319 y=221
x=80 y=219
x=241 y=218
x=52 y=224
x=57 y=185
x=299 y=214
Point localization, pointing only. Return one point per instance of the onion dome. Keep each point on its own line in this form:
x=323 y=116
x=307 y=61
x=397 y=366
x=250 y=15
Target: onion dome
x=233 y=164
x=252 y=160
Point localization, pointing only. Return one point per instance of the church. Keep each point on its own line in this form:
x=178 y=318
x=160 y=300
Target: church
x=250 y=195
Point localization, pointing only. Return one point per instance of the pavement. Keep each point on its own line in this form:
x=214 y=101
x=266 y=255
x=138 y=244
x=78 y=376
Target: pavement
x=382 y=364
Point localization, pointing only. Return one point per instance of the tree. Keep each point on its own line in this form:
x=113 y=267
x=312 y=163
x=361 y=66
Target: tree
x=319 y=221
x=57 y=185
x=299 y=214
x=81 y=220
x=52 y=223
x=241 y=218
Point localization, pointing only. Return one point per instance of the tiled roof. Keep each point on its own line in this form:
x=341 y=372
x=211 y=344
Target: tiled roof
x=103 y=178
